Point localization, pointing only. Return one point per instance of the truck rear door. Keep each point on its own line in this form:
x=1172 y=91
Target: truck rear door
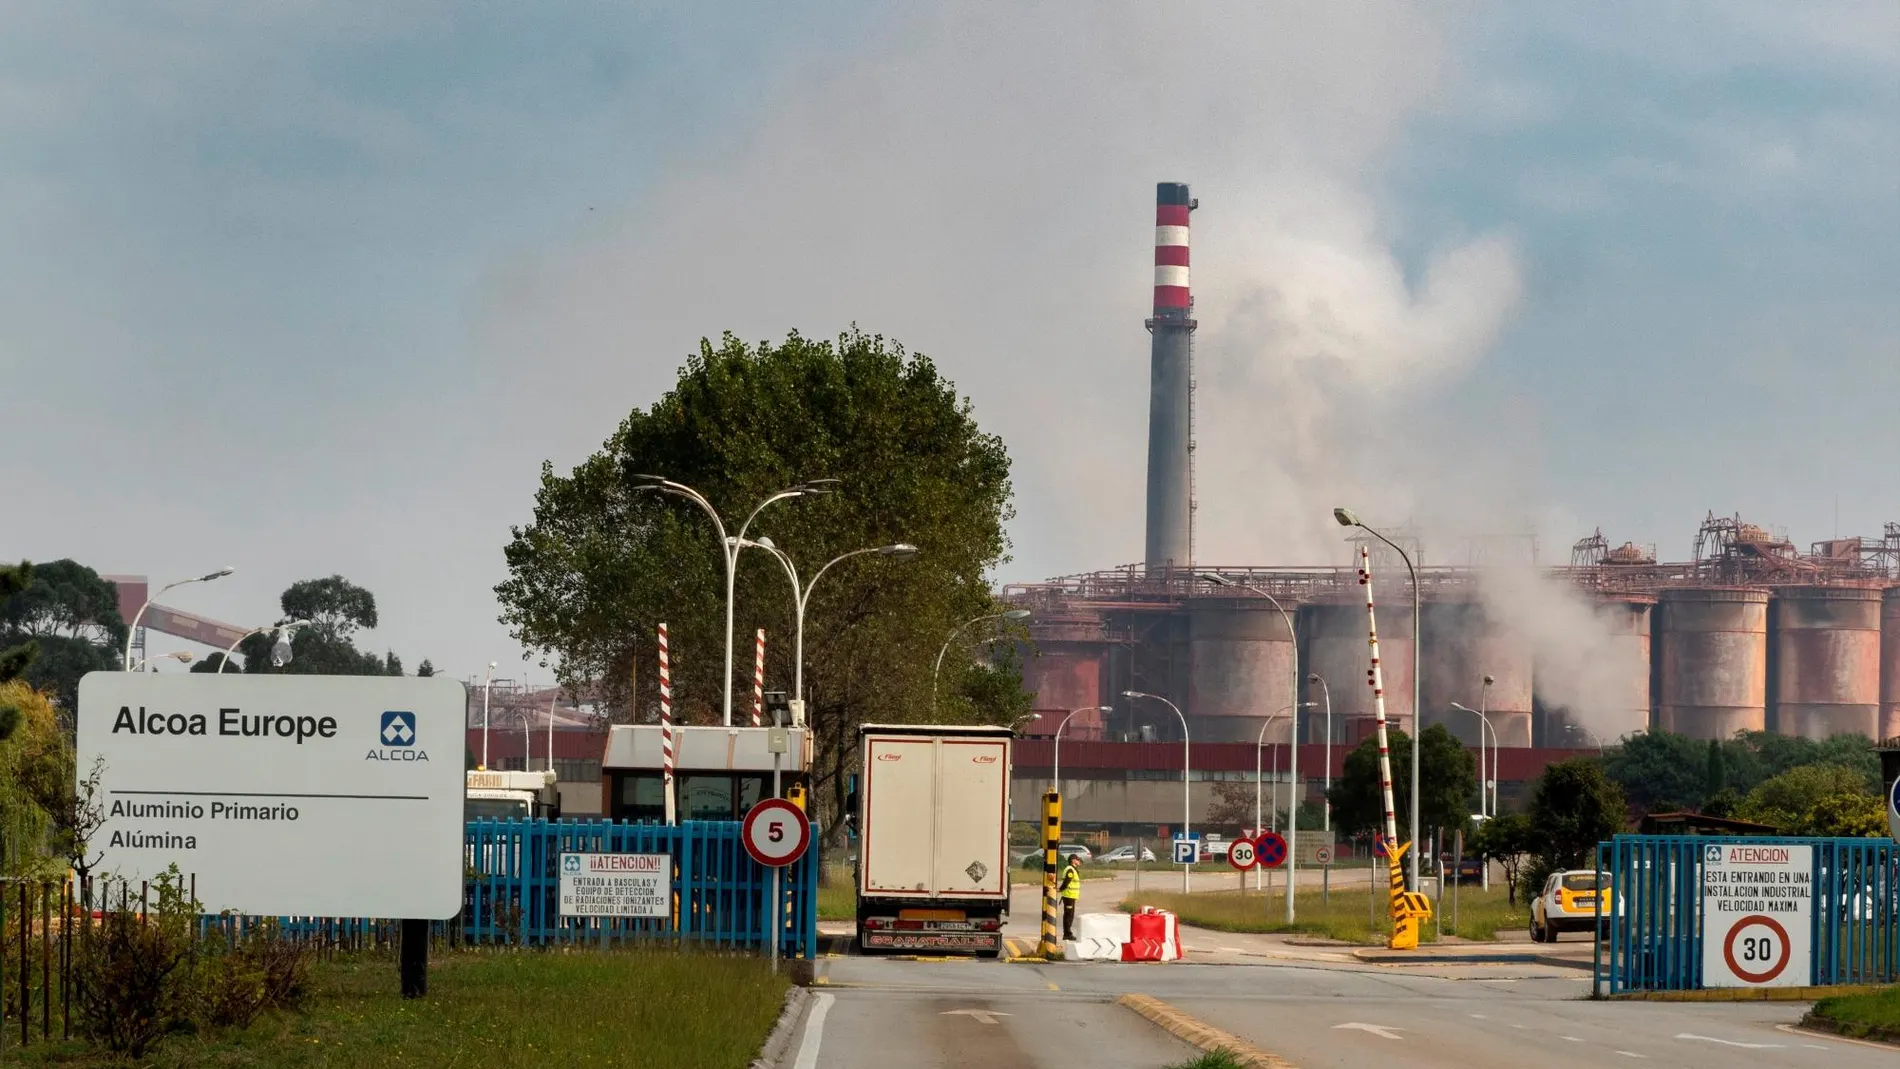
x=900 y=808
x=973 y=819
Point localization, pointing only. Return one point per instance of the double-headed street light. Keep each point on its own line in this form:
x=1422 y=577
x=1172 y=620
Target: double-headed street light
x=1012 y=614
x=140 y=615
x=729 y=546
x=279 y=650
x=1293 y=638
x=1187 y=809
x=801 y=596
x=182 y=657
x=1346 y=518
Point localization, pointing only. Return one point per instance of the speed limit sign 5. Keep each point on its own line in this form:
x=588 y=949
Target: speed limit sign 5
x=775 y=833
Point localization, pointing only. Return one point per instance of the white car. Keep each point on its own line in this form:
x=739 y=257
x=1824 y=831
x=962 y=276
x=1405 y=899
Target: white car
x=1063 y=852
x=1123 y=855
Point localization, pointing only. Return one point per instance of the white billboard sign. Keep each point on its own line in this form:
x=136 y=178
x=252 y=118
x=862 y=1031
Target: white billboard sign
x=1757 y=911
x=332 y=796
x=616 y=885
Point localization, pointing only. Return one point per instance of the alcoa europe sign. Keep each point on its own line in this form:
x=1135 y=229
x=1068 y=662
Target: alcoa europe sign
x=282 y=795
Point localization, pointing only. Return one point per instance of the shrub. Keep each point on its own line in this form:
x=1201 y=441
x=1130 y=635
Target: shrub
x=265 y=972
x=133 y=973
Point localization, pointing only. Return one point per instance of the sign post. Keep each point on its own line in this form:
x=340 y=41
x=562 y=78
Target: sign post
x=326 y=796
x=1757 y=915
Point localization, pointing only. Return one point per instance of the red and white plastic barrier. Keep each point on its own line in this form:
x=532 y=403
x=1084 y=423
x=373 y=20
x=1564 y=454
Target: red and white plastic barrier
x=1151 y=935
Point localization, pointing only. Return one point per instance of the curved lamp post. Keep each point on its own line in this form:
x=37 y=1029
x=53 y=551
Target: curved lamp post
x=1057 y=780
x=1293 y=822
x=487 y=682
x=1012 y=614
x=280 y=649
x=1346 y=518
x=729 y=546
x=1187 y=812
x=140 y=615
x=801 y=596
x=1315 y=677
x=182 y=657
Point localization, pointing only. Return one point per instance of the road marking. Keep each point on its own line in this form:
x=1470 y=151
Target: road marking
x=1631 y=1054
x=1521 y=1027
x=1728 y=1042
x=1480 y=1016
x=1052 y=985
x=1572 y=1039
x=814 y=1034
x=1383 y=1031
x=982 y=1016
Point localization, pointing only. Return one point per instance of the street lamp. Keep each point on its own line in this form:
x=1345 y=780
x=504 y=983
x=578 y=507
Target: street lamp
x=140 y=615
x=1057 y=782
x=1012 y=614
x=279 y=650
x=729 y=547
x=1484 y=725
x=1587 y=733
x=487 y=682
x=182 y=657
x=1346 y=518
x=1186 y=807
x=801 y=596
x=1328 y=692
x=1293 y=638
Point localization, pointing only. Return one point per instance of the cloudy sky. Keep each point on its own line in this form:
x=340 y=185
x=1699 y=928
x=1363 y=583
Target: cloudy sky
x=316 y=287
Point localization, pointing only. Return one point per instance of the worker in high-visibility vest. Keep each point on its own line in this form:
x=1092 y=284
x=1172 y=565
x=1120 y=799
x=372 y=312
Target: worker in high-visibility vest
x=1070 y=887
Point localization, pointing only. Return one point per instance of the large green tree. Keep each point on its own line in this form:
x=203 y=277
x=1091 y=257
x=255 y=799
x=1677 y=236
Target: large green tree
x=1574 y=806
x=335 y=609
x=1817 y=799
x=1661 y=771
x=1448 y=784
x=71 y=617
x=14 y=657
x=606 y=558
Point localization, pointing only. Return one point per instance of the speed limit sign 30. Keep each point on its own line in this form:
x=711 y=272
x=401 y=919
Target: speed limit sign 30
x=1240 y=854
x=1757 y=915
x=775 y=833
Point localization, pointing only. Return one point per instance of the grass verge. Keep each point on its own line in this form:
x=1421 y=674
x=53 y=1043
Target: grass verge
x=1875 y=1015
x=1481 y=914
x=1216 y=1059
x=837 y=895
x=505 y=1010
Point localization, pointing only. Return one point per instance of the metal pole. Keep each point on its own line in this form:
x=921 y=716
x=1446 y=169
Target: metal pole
x=487 y=682
x=777 y=909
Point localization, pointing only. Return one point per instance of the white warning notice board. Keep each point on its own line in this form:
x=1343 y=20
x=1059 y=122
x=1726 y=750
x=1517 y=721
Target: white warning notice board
x=616 y=885
x=1757 y=915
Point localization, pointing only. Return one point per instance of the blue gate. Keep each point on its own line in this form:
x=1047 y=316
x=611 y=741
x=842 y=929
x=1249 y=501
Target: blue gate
x=1652 y=939
x=512 y=884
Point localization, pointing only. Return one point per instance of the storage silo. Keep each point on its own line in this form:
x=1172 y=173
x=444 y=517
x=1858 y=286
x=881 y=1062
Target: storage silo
x=1336 y=649
x=1240 y=669
x=1826 y=643
x=1712 y=661
x=1608 y=697
x=1462 y=646
x=1890 y=663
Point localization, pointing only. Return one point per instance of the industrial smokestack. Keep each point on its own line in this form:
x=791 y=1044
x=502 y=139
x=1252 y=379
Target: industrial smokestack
x=1170 y=388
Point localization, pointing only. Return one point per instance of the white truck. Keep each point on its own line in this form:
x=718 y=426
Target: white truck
x=512 y=795
x=933 y=825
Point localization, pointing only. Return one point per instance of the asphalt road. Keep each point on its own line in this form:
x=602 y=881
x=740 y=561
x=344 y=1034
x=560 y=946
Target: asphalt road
x=874 y=1013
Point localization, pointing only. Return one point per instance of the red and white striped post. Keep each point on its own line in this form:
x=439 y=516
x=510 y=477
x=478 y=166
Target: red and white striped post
x=758 y=681
x=666 y=727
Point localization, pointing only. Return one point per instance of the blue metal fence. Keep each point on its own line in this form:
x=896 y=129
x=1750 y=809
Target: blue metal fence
x=1652 y=937
x=511 y=890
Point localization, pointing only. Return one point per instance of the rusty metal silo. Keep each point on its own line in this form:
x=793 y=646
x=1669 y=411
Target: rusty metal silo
x=1334 y=634
x=1890 y=663
x=1826 y=642
x=1240 y=669
x=1712 y=661
x=1463 y=645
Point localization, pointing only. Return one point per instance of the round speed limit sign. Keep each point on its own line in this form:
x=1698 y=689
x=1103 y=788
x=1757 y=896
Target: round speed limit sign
x=1241 y=855
x=775 y=833
x=1757 y=949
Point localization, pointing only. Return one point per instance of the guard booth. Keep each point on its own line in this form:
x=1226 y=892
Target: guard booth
x=1700 y=911
x=719 y=773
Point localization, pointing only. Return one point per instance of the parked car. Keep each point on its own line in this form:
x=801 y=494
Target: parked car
x=1568 y=903
x=1066 y=849
x=1123 y=855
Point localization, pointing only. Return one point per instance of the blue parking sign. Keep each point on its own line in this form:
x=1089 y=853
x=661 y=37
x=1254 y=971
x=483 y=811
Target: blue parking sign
x=1186 y=851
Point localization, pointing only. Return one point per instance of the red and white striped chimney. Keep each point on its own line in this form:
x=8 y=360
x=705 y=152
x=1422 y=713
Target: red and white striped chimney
x=1171 y=248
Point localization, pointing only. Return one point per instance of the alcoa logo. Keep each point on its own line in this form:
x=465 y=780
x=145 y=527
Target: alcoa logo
x=398 y=738
x=1713 y=855
x=571 y=864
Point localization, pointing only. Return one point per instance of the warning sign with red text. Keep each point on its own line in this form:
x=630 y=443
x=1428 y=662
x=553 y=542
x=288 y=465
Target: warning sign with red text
x=1757 y=912
x=616 y=885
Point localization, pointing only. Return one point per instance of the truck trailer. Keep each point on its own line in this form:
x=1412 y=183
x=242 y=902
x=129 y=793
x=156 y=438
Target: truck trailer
x=933 y=826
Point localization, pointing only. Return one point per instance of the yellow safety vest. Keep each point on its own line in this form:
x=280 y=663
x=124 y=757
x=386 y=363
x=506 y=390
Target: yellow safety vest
x=1071 y=885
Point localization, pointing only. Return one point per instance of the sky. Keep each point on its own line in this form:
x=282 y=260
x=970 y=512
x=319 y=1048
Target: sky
x=310 y=288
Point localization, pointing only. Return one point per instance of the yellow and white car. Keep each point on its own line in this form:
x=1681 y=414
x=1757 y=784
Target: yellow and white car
x=1568 y=903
